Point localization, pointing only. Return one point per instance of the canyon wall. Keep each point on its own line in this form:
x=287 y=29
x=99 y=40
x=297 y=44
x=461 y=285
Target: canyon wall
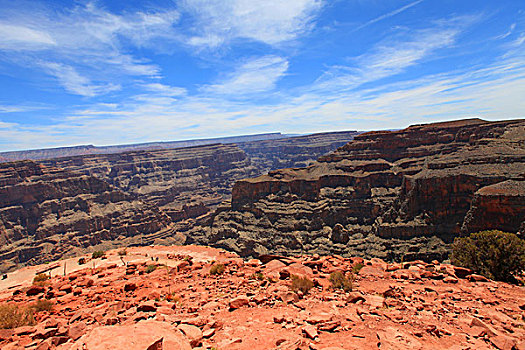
x=183 y=182
x=46 y=213
x=55 y=207
x=392 y=194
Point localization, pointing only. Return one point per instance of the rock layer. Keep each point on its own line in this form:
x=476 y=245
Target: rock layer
x=391 y=194
x=46 y=212
x=184 y=182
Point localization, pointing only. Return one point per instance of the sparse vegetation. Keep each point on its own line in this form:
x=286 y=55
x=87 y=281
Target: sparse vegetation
x=13 y=316
x=494 y=254
x=151 y=268
x=340 y=281
x=302 y=284
x=356 y=268
x=40 y=279
x=98 y=254
x=81 y=261
x=123 y=252
x=217 y=269
x=42 y=305
x=257 y=276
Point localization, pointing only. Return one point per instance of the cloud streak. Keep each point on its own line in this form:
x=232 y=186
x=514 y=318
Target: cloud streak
x=388 y=15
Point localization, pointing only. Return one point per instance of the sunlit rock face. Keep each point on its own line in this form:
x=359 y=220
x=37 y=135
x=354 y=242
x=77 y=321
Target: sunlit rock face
x=391 y=194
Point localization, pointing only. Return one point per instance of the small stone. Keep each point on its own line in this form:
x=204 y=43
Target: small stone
x=310 y=331
x=193 y=333
x=239 y=302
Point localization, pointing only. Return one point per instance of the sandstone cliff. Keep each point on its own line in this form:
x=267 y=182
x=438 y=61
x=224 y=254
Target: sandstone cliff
x=184 y=182
x=391 y=194
x=293 y=152
x=46 y=213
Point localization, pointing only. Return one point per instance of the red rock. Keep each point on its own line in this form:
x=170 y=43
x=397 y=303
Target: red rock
x=297 y=269
x=193 y=333
x=128 y=287
x=289 y=297
x=450 y=279
x=66 y=288
x=76 y=330
x=462 y=272
x=354 y=297
x=140 y=336
x=477 y=322
x=239 y=302
x=310 y=331
x=375 y=301
x=208 y=333
x=35 y=290
x=477 y=278
x=147 y=306
x=503 y=342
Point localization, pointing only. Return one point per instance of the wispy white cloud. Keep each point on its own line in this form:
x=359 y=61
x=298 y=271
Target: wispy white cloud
x=254 y=76
x=75 y=83
x=84 y=37
x=272 y=22
x=19 y=38
x=393 y=55
x=388 y=15
x=492 y=92
x=165 y=90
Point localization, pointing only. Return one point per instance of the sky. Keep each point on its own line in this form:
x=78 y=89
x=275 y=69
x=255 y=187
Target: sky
x=130 y=71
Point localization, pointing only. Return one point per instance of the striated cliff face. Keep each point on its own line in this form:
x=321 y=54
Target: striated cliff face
x=400 y=194
x=46 y=213
x=293 y=152
x=183 y=182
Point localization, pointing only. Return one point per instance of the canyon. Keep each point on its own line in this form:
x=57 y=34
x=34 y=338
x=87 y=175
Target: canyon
x=109 y=194
x=395 y=195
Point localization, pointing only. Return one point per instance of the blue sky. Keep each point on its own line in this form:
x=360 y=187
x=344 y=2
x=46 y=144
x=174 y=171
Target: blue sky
x=113 y=72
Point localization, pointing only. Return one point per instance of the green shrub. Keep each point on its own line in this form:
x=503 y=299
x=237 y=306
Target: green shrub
x=13 y=316
x=340 y=281
x=217 y=269
x=302 y=284
x=493 y=254
x=98 y=254
x=257 y=276
x=356 y=268
x=42 y=305
x=40 y=279
x=151 y=268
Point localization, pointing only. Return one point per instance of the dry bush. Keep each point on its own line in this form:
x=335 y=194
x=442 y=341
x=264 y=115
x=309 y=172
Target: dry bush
x=356 y=268
x=150 y=268
x=42 y=305
x=217 y=269
x=302 y=284
x=98 y=254
x=493 y=254
x=340 y=281
x=13 y=316
x=40 y=279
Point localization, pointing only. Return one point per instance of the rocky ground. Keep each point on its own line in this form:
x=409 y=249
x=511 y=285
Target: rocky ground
x=122 y=303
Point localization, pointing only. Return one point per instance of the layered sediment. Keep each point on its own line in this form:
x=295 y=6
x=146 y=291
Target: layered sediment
x=46 y=213
x=183 y=182
x=390 y=194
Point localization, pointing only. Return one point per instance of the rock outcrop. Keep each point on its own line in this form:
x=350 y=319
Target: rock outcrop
x=183 y=182
x=256 y=305
x=46 y=213
x=293 y=152
x=391 y=194
x=61 y=152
